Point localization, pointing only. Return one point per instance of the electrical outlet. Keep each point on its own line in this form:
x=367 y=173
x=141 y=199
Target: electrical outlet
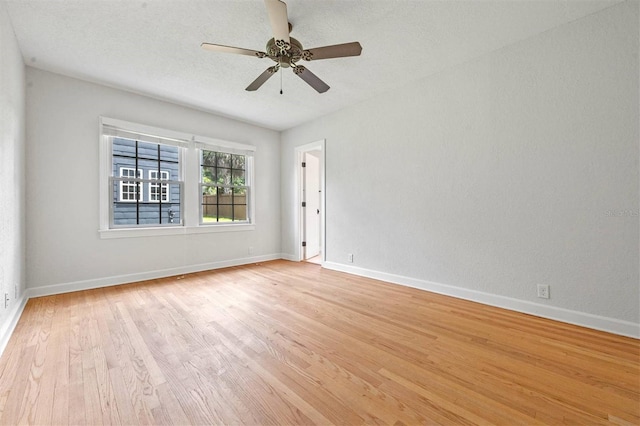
x=6 y=300
x=350 y=257
x=543 y=291
x=250 y=250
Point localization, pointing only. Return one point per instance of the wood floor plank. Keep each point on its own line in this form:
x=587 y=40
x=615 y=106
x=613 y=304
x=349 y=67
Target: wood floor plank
x=39 y=386
x=76 y=383
x=291 y=343
x=14 y=407
x=61 y=344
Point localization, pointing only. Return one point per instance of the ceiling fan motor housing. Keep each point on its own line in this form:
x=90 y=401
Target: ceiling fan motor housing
x=285 y=53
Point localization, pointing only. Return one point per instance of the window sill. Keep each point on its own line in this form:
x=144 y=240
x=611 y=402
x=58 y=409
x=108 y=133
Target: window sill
x=172 y=230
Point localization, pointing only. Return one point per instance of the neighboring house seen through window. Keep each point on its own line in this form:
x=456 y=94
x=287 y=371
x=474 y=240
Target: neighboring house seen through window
x=158 y=205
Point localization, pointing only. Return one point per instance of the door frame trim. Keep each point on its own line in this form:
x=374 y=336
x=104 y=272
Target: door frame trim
x=299 y=155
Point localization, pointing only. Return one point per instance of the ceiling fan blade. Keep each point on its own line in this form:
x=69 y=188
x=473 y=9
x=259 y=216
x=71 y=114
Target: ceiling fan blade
x=334 y=51
x=262 y=78
x=279 y=19
x=311 y=79
x=230 y=49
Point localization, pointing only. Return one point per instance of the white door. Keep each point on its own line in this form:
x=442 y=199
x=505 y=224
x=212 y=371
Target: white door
x=312 y=209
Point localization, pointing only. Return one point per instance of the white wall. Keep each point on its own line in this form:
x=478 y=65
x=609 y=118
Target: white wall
x=63 y=245
x=518 y=168
x=12 y=182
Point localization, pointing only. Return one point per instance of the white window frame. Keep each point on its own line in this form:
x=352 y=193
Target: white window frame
x=127 y=183
x=189 y=179
x=164 y=195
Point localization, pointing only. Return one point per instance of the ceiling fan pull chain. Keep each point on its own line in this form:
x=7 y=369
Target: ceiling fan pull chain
x=281 y=79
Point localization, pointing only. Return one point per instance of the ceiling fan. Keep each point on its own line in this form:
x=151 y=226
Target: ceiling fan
x=286 y=51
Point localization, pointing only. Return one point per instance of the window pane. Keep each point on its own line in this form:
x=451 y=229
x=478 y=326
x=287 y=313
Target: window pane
x=208 y=174
x=223 y=176
x=240 y=212
x=238 y=161
x=145 y=164
x=208 y=158
x=209 y=213
x=169 y=153
x=238 y=178
x=224 y=159
x=124 y=214
x=210 y=190
x=240 y=204
x=173 y=214
x=209 y=202
x=148 y=150
x=224 y=196
x=123 y=147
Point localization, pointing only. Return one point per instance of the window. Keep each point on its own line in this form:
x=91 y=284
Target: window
x=223 y=187
x=162 y=203
x=160 y=182
x=130 y=190
x=160 y=161
x=158 y=192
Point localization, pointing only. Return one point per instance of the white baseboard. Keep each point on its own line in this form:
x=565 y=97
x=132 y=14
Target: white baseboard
x=142 y=276
x=10 y=322
x=290 y=257
x=611 y=325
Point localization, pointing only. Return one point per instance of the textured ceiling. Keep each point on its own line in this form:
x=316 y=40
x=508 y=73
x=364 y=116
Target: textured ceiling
x=153 y=47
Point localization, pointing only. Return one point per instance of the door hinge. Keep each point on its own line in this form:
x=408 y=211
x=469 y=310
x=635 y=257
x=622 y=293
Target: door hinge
x=304 y=204
x=304 y=244
x=304 y=164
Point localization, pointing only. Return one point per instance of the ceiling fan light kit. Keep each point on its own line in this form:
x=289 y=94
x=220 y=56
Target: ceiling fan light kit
x=286 y=51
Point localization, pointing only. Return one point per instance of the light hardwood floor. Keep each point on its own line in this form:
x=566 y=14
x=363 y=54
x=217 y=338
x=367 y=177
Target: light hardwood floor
x=291 y=343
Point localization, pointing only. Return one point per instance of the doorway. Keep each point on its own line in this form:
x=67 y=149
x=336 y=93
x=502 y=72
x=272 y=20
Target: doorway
x=311 y=204
x=310 y=164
